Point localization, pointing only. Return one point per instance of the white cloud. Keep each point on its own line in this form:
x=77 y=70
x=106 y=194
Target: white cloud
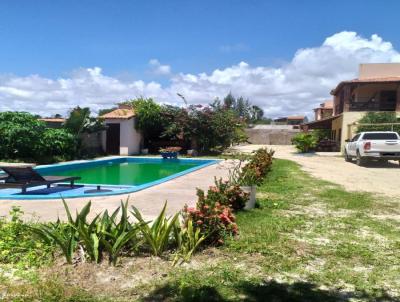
x=293 y=88
x=158 y=68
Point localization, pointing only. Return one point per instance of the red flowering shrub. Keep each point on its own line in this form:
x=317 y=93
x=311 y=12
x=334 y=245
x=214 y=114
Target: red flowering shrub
x=215 y=221
x=257 y=167
x=228 y=194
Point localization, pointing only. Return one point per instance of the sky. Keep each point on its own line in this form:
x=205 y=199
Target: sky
x=284 y=56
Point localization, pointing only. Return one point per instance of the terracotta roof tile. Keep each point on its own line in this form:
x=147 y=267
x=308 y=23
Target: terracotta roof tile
x=296 y=117
x=53 y=120
x=119 y=114
x=366 y=80
x=325 y=105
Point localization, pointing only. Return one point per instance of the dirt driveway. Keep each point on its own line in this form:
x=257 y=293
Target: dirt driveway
x=375 y=178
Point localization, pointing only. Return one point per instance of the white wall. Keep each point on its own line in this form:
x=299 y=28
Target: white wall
x=129 y=137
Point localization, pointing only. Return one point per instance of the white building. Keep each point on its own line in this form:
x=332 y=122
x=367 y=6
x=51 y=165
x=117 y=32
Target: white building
x=121 y=136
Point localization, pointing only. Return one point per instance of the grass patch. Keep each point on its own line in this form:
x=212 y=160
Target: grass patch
x=309 y=240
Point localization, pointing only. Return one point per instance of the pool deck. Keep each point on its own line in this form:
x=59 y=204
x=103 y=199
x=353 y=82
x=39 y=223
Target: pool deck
x=177 y=192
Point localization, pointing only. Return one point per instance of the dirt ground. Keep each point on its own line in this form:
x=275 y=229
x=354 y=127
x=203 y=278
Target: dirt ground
x=375 y=178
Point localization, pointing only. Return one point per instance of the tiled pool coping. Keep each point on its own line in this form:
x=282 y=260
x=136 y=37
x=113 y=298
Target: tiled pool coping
x=78 y=192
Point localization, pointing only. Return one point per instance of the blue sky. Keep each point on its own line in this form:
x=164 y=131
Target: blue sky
x=54 y=39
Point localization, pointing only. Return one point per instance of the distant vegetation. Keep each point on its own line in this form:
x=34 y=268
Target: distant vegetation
x=207 y=129
x=25 y=138
x=376 y=118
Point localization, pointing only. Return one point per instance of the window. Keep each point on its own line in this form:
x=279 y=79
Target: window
x=381 y=136
x=355 y=138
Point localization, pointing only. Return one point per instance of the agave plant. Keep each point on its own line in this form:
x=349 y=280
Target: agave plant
x=102 y=234
x=117 y=236
x=188 y=239
x=157 y=236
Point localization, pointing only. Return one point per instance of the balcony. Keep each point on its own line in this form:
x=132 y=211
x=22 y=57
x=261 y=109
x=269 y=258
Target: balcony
x=372 y=104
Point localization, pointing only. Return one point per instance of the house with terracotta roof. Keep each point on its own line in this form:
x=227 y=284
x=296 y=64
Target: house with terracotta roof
x=325 y=110
x=290 y=120
x=121 y=137
x=376 y=89
x=53 y=122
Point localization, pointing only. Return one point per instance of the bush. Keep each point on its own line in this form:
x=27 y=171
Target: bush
x=227 y=194
x=21 y=135
x=18 y=245
x=251 y=169
x=24 y=137
x=379 y=118
x=215 y=221
x=305 y=142
x=58 y=144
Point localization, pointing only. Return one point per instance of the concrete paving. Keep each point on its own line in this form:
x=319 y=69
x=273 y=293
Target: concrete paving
x=331 y=166
x=177 y=192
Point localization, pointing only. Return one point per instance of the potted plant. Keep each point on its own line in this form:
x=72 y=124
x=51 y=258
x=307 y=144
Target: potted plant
x=170 y=152
x=241 y=175
x=248 y=181
x=249 y=171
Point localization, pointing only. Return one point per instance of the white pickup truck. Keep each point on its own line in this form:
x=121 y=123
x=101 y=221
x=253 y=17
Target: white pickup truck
x=378 y=145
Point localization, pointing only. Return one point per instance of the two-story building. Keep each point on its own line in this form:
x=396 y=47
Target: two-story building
x=325 y=110
x=376 y=89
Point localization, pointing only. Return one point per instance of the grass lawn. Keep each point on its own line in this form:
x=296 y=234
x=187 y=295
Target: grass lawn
x=308 y=241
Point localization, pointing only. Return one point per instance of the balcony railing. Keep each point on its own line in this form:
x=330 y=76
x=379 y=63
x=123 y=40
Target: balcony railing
x=371 y=104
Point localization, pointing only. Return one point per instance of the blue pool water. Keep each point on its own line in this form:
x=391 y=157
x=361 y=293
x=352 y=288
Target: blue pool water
x=118 y=175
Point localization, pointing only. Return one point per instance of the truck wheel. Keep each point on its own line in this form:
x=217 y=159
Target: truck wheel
x=383 y=161
x=359 y=160
x=347 y=157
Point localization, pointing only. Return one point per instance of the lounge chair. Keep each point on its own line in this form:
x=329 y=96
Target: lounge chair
x=26 y=177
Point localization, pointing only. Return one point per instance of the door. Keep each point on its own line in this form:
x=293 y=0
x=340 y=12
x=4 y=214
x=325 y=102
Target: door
x=113 y=138
x=352 y=146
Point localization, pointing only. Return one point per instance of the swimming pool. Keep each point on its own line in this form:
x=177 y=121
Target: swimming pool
x=118 y=175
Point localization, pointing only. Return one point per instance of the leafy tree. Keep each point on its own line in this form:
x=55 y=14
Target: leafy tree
x=24 y=137
x=107 y=110
x=214 y=129
x=21 y=134
x=256 y=113
x=80 y=121
x=148 y=121
x=76 y=119
x=59 y=144
x=174 y=122
x=241 y=107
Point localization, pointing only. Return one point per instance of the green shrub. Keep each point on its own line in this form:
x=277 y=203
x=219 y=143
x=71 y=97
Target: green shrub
x=21 y=135
x=58 y=143
x=24 y=137
x=17 y=243
x=305 y=142
x=379 y=118
x=251 y=169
